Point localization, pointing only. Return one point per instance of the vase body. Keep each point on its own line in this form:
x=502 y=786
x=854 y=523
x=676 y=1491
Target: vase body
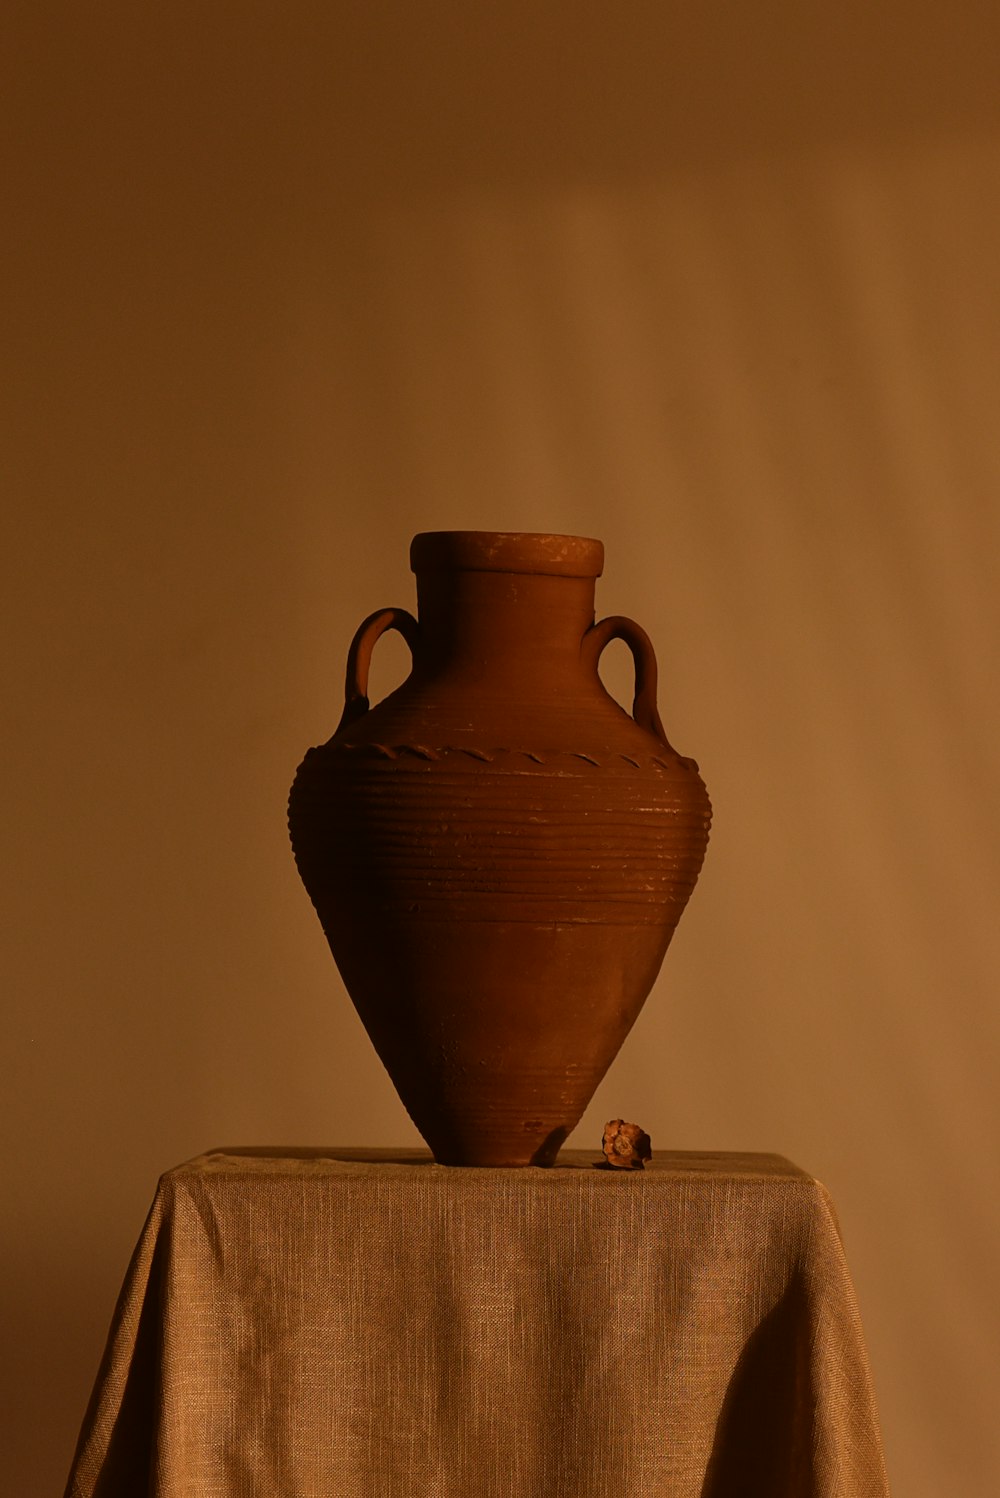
x=497 y=852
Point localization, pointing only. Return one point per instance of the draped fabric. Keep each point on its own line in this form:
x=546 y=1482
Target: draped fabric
x=367 y=1324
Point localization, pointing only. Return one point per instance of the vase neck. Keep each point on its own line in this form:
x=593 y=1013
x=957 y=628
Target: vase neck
x=519 y=627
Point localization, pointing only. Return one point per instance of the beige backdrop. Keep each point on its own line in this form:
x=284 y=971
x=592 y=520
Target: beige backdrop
x=285 y=283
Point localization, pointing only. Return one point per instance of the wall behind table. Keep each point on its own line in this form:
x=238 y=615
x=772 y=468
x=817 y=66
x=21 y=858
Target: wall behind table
x=284 y=285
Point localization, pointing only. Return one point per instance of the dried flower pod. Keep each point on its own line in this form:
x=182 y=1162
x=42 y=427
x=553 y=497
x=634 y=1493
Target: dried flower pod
x=626 y=1146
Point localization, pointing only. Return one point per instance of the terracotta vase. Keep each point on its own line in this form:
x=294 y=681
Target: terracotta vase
x=497 y=852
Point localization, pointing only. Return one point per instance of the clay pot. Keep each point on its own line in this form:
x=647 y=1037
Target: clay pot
x=497 y=852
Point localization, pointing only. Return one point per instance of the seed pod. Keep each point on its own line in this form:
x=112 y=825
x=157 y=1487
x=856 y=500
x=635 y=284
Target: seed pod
x=626 y=1146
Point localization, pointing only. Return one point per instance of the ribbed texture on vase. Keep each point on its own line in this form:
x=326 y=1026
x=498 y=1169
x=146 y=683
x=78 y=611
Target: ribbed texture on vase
x=421 y=833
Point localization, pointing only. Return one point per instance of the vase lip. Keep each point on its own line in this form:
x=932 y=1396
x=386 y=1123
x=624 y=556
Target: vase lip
x=507 y=551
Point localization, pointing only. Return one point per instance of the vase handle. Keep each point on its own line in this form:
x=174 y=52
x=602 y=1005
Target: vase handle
x=617 y=627
x=359 y=657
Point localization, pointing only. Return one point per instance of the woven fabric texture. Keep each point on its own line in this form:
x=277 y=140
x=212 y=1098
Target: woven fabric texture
x=351 y=1324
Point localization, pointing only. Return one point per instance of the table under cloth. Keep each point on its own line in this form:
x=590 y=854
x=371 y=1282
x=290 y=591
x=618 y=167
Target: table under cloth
x=365 y=1324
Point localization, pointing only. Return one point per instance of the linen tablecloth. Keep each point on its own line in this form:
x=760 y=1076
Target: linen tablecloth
x=361 y=1324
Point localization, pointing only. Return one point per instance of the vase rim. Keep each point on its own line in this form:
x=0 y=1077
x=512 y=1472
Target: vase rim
x=507 y=551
